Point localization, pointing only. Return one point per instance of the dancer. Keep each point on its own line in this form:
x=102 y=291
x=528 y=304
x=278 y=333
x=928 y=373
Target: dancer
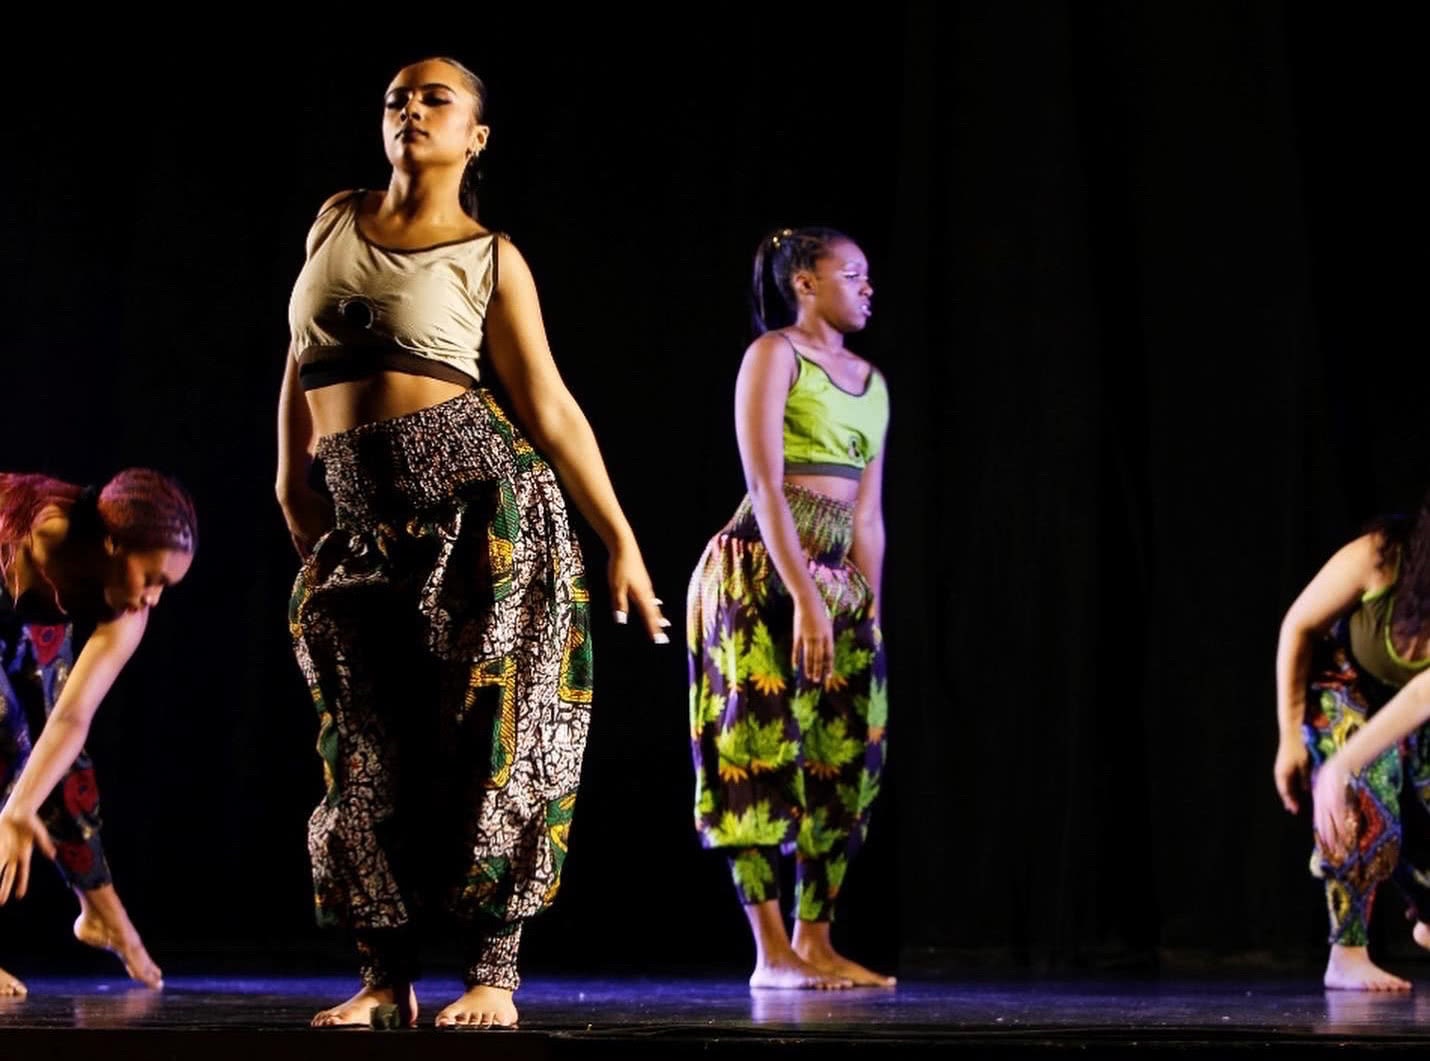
x=1351 y=670
x=441 y=614
x=788 y=695
x=88 y=557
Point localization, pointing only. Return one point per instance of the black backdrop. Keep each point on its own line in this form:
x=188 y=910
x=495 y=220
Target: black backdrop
x=1142 y=310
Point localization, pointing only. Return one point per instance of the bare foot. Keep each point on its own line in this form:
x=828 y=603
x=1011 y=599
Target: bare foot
x=480 y=1007
x=1421 y=933
x=831 y=963
x=1350 y=969
x=121 y=941
x=358 y=1009
x=10 y=987
x=791 y=972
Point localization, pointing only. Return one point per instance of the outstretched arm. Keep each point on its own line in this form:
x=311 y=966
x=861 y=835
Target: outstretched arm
x=521 y=357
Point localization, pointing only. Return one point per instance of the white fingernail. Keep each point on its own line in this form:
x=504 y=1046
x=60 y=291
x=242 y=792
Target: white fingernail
x=665 y=622
x=661 y=639
x=620 y=618
x=657 y=600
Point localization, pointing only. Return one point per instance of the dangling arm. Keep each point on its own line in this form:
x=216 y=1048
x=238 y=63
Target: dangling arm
x=102 y=658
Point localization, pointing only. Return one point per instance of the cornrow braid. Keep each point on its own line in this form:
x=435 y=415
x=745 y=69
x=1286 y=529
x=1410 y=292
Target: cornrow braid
x=143 y=509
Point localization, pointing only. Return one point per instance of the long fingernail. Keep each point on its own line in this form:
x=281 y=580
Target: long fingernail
x=620 y=618
x=661 y=639
x=657 y=600
x=664 y=622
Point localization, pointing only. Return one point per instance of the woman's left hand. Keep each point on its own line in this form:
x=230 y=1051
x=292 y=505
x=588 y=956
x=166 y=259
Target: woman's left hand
x=631 y=588
x=1335 y=818
x=20 y=834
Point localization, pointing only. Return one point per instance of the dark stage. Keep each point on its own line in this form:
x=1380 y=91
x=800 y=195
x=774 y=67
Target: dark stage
x=1151 y=361
x=214 y=1017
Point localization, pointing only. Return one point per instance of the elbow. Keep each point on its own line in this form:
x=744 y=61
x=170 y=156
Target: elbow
x=1295 y=635
x=764 y=485
x=550 y=425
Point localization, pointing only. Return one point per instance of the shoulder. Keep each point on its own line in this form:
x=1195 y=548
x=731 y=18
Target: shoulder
x=877 y=381
x=119 y=635
x=1379 y=555
x=337 y=200
x=329 y=215
x=512 y=272
x=770 y=352
x=1361 y=559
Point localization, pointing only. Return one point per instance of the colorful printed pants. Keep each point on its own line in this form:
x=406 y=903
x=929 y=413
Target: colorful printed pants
x=782 y=763
x=1390 y=797
x=35 y=662
x=442 y=627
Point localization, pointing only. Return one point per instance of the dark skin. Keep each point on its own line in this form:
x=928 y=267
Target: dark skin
x=833 y=301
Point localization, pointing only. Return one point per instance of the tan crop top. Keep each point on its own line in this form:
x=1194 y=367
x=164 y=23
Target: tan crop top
x=359 y=308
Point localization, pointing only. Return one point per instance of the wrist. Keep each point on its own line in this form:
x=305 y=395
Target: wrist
x=621 y=541
x=807 y=595
x=16 y=812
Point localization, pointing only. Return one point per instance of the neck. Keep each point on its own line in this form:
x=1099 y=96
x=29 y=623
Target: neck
x=429 y=195
x=819 y=332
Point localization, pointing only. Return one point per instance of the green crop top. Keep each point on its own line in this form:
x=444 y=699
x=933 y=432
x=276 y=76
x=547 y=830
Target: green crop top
x=828 y=430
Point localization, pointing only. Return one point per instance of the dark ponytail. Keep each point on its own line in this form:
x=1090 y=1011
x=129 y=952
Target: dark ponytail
x=780 y=255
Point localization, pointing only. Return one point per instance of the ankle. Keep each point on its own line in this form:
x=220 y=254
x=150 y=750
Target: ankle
x=1341 y=952
x=813 y=939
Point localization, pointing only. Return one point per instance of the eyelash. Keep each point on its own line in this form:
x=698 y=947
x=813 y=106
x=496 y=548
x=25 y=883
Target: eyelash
x=431 y=101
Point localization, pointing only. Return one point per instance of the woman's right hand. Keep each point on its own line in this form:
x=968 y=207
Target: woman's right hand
x=20 y=834
x=1335 y=819
x=1292 y=772
x=812 y=647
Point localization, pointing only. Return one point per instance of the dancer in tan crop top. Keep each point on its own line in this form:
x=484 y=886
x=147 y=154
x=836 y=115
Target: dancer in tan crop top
x=1353 y=685
x=441 y=617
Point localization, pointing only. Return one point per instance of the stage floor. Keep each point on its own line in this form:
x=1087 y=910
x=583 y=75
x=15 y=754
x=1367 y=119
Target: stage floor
x=264 y=1019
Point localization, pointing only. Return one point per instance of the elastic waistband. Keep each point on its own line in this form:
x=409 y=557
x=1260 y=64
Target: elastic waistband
x=411 y=462
x=825 y=524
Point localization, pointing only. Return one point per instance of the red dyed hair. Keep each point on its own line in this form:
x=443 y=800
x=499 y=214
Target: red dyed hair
x=138 y=508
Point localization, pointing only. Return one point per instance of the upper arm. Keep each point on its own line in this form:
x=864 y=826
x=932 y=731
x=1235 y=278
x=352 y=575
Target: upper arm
x=295 y=420
x=869 y=502
x=1338 y=586
x=761 y=389
x=516 y=336
x=100 y=661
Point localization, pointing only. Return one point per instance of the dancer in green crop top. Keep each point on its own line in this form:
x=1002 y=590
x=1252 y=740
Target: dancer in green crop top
x=1353 y=685
x=788 y=699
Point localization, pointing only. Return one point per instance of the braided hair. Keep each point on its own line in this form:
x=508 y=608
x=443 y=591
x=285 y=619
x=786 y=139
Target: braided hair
x=139 y=509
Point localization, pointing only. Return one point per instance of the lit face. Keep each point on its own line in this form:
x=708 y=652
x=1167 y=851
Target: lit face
x=430 y=118
x=838 y=287
x=138 y=577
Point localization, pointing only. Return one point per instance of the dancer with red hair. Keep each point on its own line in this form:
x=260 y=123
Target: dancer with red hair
x=90 y=557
